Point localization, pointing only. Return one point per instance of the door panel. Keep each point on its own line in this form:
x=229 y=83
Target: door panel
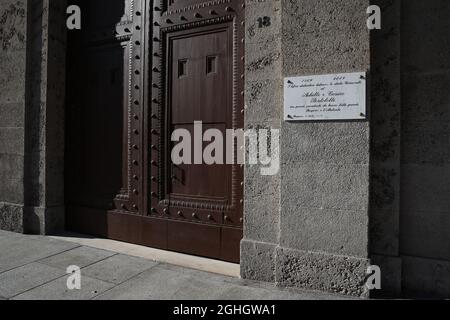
x=201 y=92
x=184 y=180
x=198 y=77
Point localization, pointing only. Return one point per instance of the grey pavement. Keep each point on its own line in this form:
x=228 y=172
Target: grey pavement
x=34 y=268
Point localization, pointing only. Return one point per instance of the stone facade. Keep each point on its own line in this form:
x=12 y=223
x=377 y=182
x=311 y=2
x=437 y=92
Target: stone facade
x=32 y=104
x=349 y=193
x=307 y=227
x=13 y=40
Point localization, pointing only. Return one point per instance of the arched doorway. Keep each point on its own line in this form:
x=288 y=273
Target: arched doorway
x=138 y=70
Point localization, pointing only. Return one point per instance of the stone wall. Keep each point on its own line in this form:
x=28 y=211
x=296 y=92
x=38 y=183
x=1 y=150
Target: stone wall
x=385 y=146
x=410 y=180
x=44 y=170
x=425 y=148
x=32 y=82
x=349 y=193
x=263 y=101
x=13 y=38
x=325 y=165
x=307 y=227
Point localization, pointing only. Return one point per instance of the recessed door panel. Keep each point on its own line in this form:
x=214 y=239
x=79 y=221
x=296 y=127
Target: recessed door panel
x=198 y=78
x=200 y=72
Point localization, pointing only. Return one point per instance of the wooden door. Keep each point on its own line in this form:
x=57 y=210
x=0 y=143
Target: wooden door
x=137 y=71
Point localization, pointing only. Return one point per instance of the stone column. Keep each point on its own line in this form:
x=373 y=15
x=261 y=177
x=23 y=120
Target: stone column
x=385 y=147
x=309 y=226
x=44 y=161
x=32 y=115
x=325 y=165
x=425 y=163
x=263 y=102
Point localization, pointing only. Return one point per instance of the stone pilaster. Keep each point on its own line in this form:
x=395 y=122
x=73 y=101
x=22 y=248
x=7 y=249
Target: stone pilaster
x=13 y=44
x=32 y=86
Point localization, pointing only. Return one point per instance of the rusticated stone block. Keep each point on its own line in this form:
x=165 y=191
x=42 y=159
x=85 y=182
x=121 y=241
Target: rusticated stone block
x=325 y=272
x=426 y=278
x=257 y=261
x=11 y=217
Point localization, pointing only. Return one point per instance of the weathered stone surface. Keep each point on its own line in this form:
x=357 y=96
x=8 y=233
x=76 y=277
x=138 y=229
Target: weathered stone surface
x=325 y=186
x=263 y=102
x=385 y=186
x=263 y=60
x=426 y=234
x=317 y=271
x=32 y=82
x=13 y=25
x=11 y=217
x=263 y=108
x=323 y=189
x=425 y=188
x=40 y=220
x=259 y=9
x=35 y=164
x=425 y=180
x=11 y=178
x=12 y=115
x=423 y=52
x=261 y=205
x=384 y=232
x=342 y=232
x=12 y=105
x=334 y=142
x=258 y=261
x=12 y=77
x=12 y=141
x=427 y=99
x=318 y=40
x=54 y=196
x=385 y=128
x=425 y=151
x=426 y=143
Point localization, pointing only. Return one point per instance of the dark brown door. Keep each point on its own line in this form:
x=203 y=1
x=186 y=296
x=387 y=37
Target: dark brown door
x=138 y=71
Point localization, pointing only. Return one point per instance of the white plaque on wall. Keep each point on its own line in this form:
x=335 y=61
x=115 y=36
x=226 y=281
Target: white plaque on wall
x=325 y=97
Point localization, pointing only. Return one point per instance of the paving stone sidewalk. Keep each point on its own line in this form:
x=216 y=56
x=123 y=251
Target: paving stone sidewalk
x=34 y=268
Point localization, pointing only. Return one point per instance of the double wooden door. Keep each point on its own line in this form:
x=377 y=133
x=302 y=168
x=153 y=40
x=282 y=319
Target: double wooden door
x=137 y=71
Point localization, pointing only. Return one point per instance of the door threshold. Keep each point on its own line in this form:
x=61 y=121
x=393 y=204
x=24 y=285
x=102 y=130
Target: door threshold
x=175 y=258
